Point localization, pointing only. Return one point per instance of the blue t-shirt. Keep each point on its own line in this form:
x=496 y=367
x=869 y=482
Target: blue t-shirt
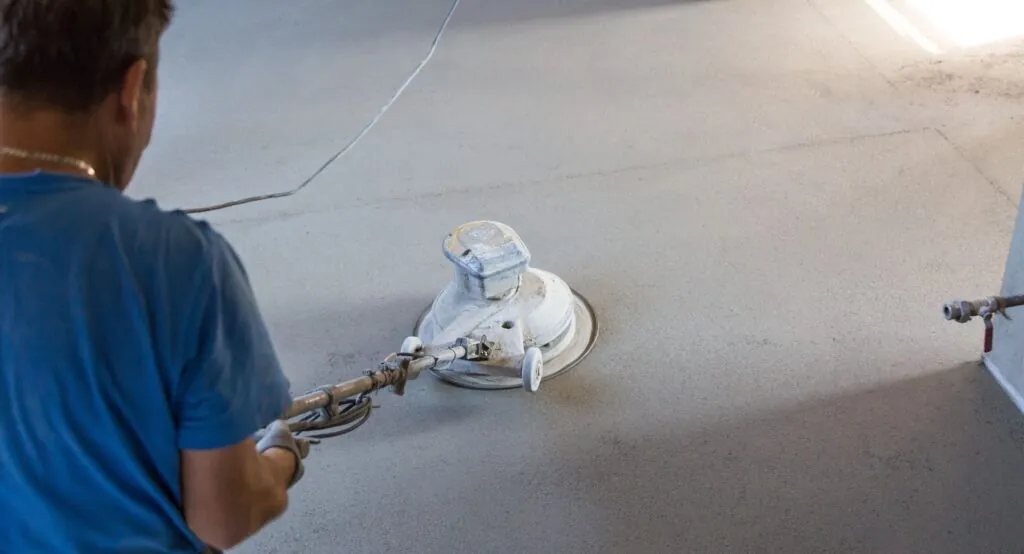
x=126 y=334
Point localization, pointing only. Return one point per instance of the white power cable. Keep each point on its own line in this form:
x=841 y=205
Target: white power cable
x=355 y=140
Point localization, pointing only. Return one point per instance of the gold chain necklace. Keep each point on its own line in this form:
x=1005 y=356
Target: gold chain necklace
x=47 y=157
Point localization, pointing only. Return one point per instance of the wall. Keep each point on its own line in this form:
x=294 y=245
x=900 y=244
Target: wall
x=1006 y=361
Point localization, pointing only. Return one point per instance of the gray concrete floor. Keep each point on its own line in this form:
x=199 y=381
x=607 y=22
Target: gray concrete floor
x=766 y=201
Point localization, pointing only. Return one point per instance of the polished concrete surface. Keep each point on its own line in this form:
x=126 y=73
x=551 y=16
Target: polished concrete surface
x=767 y=203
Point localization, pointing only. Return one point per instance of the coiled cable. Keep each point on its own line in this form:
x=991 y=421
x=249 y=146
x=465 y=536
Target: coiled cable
x=344 y=416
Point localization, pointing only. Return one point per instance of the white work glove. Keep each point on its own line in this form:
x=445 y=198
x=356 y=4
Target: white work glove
x=277 y=435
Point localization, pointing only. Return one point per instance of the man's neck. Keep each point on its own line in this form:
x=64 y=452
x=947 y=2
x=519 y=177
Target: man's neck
x=49 y=132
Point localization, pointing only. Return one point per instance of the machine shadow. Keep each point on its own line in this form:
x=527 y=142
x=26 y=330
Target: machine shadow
x=932 y=464
x=323 y=348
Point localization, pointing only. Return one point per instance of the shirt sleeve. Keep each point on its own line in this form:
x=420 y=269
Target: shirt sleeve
x=233 y=385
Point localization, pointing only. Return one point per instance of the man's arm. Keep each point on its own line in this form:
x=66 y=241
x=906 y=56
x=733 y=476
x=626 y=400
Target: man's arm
x=231 y=385
x=231 y=493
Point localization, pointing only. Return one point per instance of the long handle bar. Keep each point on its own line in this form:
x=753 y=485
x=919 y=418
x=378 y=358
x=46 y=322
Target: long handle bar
x=394 y=372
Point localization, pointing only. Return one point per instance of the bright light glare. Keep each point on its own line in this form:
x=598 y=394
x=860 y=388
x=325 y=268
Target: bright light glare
x=902 y=25
x=974 y=22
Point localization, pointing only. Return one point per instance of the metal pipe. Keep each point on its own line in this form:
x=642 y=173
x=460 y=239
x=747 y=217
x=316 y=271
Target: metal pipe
x=965 y=310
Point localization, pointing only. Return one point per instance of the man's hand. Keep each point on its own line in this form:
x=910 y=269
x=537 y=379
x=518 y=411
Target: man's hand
x=277 y=435
x=230 y=493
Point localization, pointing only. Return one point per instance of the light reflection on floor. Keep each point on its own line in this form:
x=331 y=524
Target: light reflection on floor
x=956 y=23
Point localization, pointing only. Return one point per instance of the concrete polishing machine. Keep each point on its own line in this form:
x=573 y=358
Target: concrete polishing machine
x=498 y=324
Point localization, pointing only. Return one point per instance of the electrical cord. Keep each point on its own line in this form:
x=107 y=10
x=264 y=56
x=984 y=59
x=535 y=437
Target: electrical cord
x=346 y=416
x=355 y=140
x=348 y=413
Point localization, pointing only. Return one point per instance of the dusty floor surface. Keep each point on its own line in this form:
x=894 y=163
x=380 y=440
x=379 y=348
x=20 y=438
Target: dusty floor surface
x=767 y=202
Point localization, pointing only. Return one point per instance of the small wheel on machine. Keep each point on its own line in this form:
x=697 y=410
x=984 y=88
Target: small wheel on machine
x=411 y=345
x=533 y=369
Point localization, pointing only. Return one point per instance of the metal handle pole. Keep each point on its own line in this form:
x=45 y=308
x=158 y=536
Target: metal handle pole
x=404 y=370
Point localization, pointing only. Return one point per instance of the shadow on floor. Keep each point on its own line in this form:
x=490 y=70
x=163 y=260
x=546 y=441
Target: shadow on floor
x=492 y=12
x=329 y=347
x=316 y=23
x=930 y=465
x=325 y=346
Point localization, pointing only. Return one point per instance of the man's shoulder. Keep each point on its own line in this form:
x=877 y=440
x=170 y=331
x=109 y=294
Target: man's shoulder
x=148 y=212
x=157 y=244
x=172 y=232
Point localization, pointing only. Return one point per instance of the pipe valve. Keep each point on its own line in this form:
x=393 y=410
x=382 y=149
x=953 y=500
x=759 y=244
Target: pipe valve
x=963 y=311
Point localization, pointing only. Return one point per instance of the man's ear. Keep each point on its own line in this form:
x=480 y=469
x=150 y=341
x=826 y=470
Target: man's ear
x=132 y=89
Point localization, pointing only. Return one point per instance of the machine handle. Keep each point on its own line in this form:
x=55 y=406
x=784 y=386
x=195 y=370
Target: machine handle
x=394 y=373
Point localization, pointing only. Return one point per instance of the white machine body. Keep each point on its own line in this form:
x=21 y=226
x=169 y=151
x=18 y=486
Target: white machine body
x=530 y=318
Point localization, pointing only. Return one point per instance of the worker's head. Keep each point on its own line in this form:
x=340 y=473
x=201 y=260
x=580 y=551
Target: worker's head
x=80 y=75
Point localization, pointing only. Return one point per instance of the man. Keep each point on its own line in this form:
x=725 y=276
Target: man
x=134 y=364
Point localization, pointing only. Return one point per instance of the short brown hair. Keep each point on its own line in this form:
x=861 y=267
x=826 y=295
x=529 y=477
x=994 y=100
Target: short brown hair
x=71 y=54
